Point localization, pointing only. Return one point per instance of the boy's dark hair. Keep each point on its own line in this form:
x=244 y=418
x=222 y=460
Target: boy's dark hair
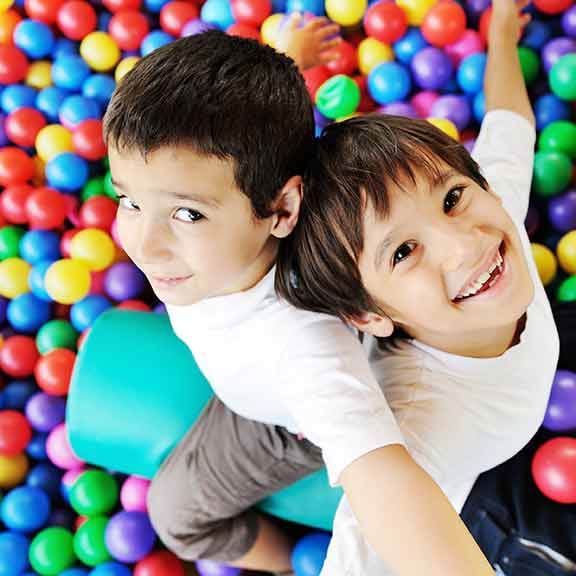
x=223 y=96
x=355 y=162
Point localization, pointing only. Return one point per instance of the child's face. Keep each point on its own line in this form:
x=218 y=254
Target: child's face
x=447 y=264
x=186 y=225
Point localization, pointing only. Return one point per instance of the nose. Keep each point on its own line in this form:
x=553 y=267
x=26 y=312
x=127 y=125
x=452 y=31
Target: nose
x=454 y=245
x=153 y=242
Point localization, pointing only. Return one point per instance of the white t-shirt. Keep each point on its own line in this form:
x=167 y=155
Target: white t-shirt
x=461 y=416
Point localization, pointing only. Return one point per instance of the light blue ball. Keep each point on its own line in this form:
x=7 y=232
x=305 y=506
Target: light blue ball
x=315 y=7
x=13 y=553
x=49 y=100
x=70 y=72
x=111 y=569
x=36 y=279
x=153 y=40
x=27 y=313
x=549 y=108
x=99 y=87
x=34 y=38
x=76 y=108
x=17 y=96
x=38 y=245
x=217 y=13
x=409 y=45
x=389 y=82
x=85 y=312
x=309 y=554
x=25 y=509
x=470 y=73
x=67 y=172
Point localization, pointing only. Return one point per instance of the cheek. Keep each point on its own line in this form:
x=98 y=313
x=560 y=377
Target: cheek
x=123 y=232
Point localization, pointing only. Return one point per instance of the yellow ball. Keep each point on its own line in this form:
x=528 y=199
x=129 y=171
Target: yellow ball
x=566 y=251
x=5 y=5
x=124 y=66
x=447 y=126
x=346 y=12
x=39 y=74
x=53 y=140
x=372 y=52
x=14 y=277
x=94 y=247
x=100 y=51
x=545 y=262
x=416 y=10
x=13 y=470
x=67 y=280
x=270 y=27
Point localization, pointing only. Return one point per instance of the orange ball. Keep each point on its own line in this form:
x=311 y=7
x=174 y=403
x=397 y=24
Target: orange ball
x=8 y=21
x=53 y=371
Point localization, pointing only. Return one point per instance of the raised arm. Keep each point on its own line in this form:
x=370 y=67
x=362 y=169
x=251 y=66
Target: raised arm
x=504 y=85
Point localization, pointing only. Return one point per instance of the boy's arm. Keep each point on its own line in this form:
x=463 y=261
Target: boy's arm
x=407 y=519
x=504 y=85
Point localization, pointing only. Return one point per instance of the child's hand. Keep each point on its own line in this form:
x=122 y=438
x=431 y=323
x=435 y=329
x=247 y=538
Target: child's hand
x=308 y=45
x=507 y=20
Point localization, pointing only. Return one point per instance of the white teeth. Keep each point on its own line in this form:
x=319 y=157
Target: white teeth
x=484 y=277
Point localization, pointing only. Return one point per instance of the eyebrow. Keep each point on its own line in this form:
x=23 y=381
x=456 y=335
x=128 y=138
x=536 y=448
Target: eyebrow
x=178 y=195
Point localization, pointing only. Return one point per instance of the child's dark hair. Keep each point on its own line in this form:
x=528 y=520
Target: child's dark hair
x=223 y=96
x=355 y=162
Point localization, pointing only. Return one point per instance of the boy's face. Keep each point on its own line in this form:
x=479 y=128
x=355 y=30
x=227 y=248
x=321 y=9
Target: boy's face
x=447 y=264
x=186 y=225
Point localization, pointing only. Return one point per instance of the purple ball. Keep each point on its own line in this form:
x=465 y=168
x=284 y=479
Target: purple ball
x=211 y=568
x=130 y=536
x=196 y=27
x=561 y=411
x=476 y=7
x=63 y=517
x=562 y=211
x=432 y=68
x=555 y=49
x=319 y=119
x=4 y=140
x=454 y=108
x=124 y=281
x=45 y=412
x=532 y=221
x=399 y=109
x=569 y=22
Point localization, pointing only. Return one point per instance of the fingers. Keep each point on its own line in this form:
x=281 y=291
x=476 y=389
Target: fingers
x=522 y=4
x=293 y=21
x=328 y=44
x=326 y=56
x=329 y=30
x=317 y=22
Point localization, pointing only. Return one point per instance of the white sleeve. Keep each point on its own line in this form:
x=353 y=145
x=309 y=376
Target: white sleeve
x=327 y=384
x=504 y=150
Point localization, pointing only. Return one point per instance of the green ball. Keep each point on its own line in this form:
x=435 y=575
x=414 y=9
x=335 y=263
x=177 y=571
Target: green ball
x=338 y=97
x=552 y=172
x=109 y=189
x=559 y=137
x=563 y=77
x=90 y=541
x=51 y=551
x=567 y=290
x=56 y=334
x=530 y=64
x=94 y=493
x=94 y=187
x=10 y=241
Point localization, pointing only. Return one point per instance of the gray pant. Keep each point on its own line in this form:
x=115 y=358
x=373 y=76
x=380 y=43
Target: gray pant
x=200 y=501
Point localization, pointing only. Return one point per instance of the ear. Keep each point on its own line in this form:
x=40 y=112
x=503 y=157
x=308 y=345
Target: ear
x=375 y=324
x=286 y=208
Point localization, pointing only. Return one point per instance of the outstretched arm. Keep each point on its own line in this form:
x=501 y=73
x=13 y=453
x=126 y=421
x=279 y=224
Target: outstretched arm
x=504 y=85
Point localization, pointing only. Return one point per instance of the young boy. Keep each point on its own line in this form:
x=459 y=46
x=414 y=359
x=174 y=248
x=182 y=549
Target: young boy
x=207 y=138
x=407 y=237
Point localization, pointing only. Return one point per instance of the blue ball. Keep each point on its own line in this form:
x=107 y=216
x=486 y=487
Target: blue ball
x=38 y=245
x=153 y=40
x=104 y=21
x=49 y=100
x=34 y=38
x=36 y=448
x=65 y=47
x=67 y=172
x=25 y=509
x=218 y=13
x=46 y=477
x=309 y=554
x=77 y=108
x=470 y=73
x=155 y=6
x=315 y=7
x=431 y=68
x=17 y=96
x=479 y=107
x=70 y=72
x=4 y=140
x=111 y=569
x=99 y=87
x=63 y=517
x=3 y=307
x=17 y=393
x=27 y=313
x=36 y=279
x=389 y=82
x=13 y=553
x=278 y=6
x=536 y=34
x=549 y=108
x=84 y=313
x=409 y=45
x=75 y=572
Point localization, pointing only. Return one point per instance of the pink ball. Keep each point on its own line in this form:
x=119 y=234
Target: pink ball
x=97 y=282
x=133 y=494
x=423 y=102
x=59 y=450
x=470 y=43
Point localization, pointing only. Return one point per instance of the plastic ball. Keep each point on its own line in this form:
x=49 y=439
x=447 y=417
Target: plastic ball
x=25 y=509
x=22 y=126
x=13 y=553
x=313 y=7
x=268 y=30
x=211 y=568
x=17 y=96
x=174 y=16
x=38 y=245
x=338 y=97
x=470 y=42
x=100 y=51
x=95 y=247
x=70 y=71
x=134 y=493
x=47 y=477
x=16 y=167
x=444 y=23
x=94 y=493
x=423 y=101
x=45 y=411
x=13 y=470
x=563 y=77
x=98 y=212
x=43 y=10
x=10 y=241
x=455 y=108
x=389 y=82
x=76 y=108
x=53 y=140
x=67 y=280
x=8 y=22
x=447 y=126
x=385 y=21
x=159 y=563
x=18 y=356
x=15 y=432
x=56 y=334
x=153 y=40
x=51 y=551
x=130 y=536
x=39 y=75
x=84 y=313
x=561 y=411
x=552 y=173
x=529 y=63
x=99 y=87
x=552 y=6
x=13 y=64
x=555 y=49
x=17 y=393
x=53 y=371
x=111 y=569
x=49 y=100
x=36 y=449
x=218 y=13
x=124 y=281
x=470 y=74
x=346 y=12
x=35 y=39
x=76 y=19
x=129 y=28
x=416 y=10
x=46 y=209
x=545 y=262
x=431 y=68
x=569 y=22
x=554 y=469
x=59 y=450
x=559 y=137
x=566 y=251
x=409 y=45
x=346 y=61
x=27 y=313
x=562 y=211
x=67 y=172
x=372 y=52
x=89 y=541
x=567 y=290
x=120 y=5
x=13 y=277
x=309 y=554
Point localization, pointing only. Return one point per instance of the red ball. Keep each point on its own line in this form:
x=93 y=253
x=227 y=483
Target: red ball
x=175 y=15
x=552 y=6
x=314 y=78
x=159 y=563
x=554 y=469
x=347 y=60
x=77 y=19
x=367 y=104
x=13 y=64
x=16 y=167
x=43 y=10
x=88 y=139
x=15 y=432
x=98 y=212
x=53 y=371
x=444 y=23
x=244 y=31
x=128 y=28
x=118 y=5
x=18 y=356
x=23 y=125
x=46 y=208
x=385 y=21
x=66 y=240
x=251 y=12
x=484 y=24
x=137 y=305
x=13 y=203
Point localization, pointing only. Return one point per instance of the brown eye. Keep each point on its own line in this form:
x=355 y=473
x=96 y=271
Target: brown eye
x=401 y=253
x=187 y=215
x=452 y=199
